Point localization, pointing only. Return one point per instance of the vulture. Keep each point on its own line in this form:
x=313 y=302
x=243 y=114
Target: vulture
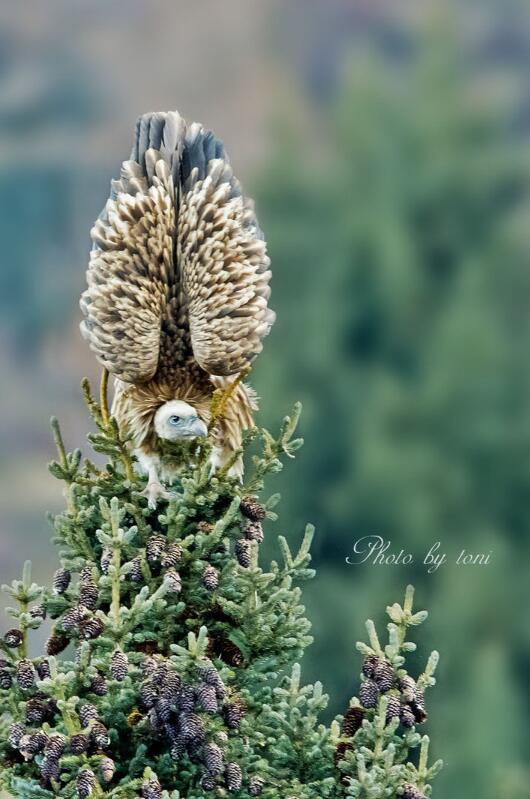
x=176 y=304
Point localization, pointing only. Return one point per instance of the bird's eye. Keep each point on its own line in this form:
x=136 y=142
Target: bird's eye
x=174 y=419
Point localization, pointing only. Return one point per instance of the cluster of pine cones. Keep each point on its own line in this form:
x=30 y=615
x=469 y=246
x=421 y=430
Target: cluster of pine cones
x=169 y=706
x=405 y=700
x=173 y=707
x=173 y=710
x=50 y=747
x=252 y=530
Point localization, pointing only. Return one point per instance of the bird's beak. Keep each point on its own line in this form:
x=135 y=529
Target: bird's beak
x=197 y=428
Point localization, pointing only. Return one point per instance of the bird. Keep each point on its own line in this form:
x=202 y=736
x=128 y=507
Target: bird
x=177 y=298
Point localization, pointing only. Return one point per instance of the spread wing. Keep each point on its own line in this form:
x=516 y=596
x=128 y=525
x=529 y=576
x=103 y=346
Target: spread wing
x=223 y=264
x=179 y=265
x=132 y=260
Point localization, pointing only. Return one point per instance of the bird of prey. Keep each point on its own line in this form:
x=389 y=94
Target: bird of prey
x=177 y=296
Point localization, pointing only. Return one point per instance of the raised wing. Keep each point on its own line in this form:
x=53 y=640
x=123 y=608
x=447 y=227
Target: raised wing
x=131 y=267
x=222 y=260
x=178 y=261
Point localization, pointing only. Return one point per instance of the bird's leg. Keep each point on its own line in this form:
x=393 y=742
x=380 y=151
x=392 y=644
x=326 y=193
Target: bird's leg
x=222 y=458
x=154 y=489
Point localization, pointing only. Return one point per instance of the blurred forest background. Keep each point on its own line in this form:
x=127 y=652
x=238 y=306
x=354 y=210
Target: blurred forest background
x=388 y=147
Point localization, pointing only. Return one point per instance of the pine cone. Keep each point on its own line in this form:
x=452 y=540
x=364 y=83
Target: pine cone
x=88 y=595
x=171 y=685
x=135 y=574
x=233 y=777
x=15 y=733
x=407 y=686
x=233 y=714
x=368 y=694
x=91 y=628
x=384 y=676
x=50 y=768
x=61 y=581
x=253 y=531
x=107 y=768
x=191 y=727
x=106 y=559
x=178 y=747
x=30 y=745
x=207 y=698
x=172 y=556
x=55 y=745
x=98 y=685
x=255 y=786
x=86 y=575
x=148 y=694
x=352 y=721
x=149 y=666
x=56 y=643
x=43 y=669
x=369 y=665
x=208 y=783
x=72 y=618
x=85 y=783
x=36 y=710
x=213 y=759
x=340 y=752
x=79 y=743
x=173 y=581
x=38 y=612
x=154 y=548
x=252 y=509
x=187 y=699
x=100 y=735
x=210 y=675
x=222 y=647
x=13 y=638
x=119 y=665
x=393 y=708
x=411 y=792
x=243 y=551
x=159 y=672
x=6 y=680
x=163 y=708
x=88 y=713
x=25 y=674
x=407 y=716
x=151 y=789
x=154 y=722
x=210 y=578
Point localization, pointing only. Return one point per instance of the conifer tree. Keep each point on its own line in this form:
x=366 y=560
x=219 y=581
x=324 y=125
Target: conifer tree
x=172 y=664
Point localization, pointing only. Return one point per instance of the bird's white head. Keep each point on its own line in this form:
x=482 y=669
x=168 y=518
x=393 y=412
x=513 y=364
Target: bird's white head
x=176 y=420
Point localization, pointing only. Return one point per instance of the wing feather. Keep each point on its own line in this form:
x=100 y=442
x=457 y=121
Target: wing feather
x=223 y=263
x=179 y=267
x=131 y=267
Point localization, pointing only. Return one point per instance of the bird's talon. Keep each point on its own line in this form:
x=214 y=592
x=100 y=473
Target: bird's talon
x=154 y=492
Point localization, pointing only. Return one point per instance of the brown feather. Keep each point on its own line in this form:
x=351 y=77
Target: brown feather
x=178 y=283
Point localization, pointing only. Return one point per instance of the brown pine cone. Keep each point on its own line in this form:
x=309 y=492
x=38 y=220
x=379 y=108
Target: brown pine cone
x=252 y=509
x=353 y=719
x=384 y=676
x=368 y=694
x=56 y=643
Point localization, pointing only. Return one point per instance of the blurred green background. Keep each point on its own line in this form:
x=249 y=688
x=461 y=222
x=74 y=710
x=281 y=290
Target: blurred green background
x=388 y=147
